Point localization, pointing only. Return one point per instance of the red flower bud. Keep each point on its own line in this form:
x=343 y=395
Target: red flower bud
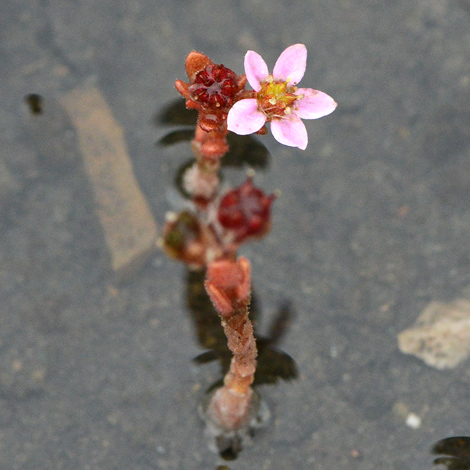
x=214 y=86
x=246 y=211
x=212 y=90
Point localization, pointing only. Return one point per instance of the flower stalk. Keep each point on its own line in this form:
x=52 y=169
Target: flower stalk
x=208 y=235
x=228 y=284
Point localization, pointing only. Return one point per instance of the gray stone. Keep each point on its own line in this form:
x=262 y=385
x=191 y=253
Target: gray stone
x=440 y=335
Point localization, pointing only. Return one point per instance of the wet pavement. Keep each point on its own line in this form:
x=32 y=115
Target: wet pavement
x=373 y=224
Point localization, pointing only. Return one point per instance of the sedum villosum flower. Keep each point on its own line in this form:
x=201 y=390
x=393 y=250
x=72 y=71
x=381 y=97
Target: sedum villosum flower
x=278 y=100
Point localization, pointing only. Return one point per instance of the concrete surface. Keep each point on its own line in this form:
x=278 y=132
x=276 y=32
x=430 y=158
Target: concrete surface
x=373 y=223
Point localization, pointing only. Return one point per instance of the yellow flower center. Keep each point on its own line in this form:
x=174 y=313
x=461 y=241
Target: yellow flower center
x=275 y=98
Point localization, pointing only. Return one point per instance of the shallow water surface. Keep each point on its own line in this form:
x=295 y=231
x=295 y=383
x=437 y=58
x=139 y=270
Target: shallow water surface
x=372 y=224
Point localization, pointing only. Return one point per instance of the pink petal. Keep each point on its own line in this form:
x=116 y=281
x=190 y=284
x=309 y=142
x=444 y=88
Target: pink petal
x=314 y=105
x=256 y=69
x=290 y=131
x=245 y=118
x=291 y=64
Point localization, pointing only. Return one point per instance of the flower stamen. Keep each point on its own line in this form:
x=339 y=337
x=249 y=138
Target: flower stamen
x=276 y=98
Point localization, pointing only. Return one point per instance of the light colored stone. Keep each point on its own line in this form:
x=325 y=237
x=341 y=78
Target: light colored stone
x=413 y=421
x=441 y=334
x=130 y=230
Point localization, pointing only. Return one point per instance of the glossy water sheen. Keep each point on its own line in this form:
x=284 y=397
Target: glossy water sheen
x=372 y=224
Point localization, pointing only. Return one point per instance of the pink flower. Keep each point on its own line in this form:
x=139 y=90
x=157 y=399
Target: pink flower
x=278 y=100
